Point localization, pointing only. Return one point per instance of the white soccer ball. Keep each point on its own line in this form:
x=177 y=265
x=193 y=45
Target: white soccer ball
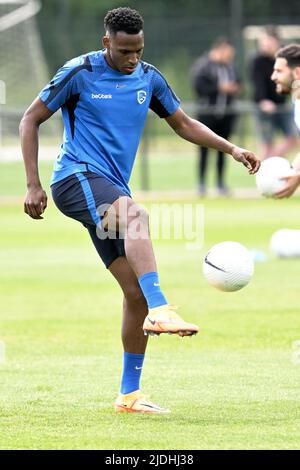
x=228 y=266
x=286 y=243
x=268 y=177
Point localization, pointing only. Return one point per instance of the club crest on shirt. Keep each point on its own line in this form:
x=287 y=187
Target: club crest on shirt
x=141 y=96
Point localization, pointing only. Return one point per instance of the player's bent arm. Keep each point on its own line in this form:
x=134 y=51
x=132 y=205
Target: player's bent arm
x=36 y=198
x=199 y=134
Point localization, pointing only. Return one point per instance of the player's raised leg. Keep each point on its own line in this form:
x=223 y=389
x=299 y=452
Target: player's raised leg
x=134 y=341
x=132 y=221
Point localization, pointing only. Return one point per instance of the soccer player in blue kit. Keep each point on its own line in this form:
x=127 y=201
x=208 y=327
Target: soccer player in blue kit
x=104 y=97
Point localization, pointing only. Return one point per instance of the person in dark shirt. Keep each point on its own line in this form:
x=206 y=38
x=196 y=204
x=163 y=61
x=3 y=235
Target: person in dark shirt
x=216 y=85
x=273 y=112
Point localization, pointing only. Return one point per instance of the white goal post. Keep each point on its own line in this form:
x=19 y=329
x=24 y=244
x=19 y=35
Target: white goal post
x=24 y=11
x=23 y=67
x=287 y=33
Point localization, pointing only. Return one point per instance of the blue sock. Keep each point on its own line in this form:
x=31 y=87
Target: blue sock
x=133 y=365
x=149 y=284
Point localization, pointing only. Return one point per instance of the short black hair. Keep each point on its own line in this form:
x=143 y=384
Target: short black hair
x=272 y=31
x=221 y=41
x=123 y=19
x=291 y=53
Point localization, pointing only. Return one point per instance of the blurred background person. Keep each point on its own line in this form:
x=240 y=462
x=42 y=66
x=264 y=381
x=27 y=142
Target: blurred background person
x=273 y=111
x=216 y=84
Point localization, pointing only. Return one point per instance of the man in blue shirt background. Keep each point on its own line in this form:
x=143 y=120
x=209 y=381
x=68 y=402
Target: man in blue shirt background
x=105 y=97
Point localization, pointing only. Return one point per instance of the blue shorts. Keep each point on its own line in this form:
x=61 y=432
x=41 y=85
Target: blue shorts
x=78 y=196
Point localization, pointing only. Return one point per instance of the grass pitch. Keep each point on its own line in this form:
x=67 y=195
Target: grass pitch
x=233 y=386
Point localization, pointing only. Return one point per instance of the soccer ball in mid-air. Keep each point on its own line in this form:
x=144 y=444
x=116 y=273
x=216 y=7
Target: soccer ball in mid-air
x=268 y=178
x=228 y=266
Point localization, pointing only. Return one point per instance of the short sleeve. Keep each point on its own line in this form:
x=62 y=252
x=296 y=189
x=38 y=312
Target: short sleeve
x=164 y=102
x=63 y=85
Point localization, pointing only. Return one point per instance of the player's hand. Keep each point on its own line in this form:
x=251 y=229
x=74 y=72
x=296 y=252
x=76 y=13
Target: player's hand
x=247 y=158
x=267 y=106
x=292 y=183
x=230 y=88
x=35 y=202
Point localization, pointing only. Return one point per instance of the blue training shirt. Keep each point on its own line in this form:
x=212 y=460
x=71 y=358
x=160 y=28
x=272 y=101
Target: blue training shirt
x=104 y=112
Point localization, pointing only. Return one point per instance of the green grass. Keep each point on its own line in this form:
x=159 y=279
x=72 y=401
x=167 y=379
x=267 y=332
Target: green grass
x=233 y=386
x=172 y=164
x=166 y=172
